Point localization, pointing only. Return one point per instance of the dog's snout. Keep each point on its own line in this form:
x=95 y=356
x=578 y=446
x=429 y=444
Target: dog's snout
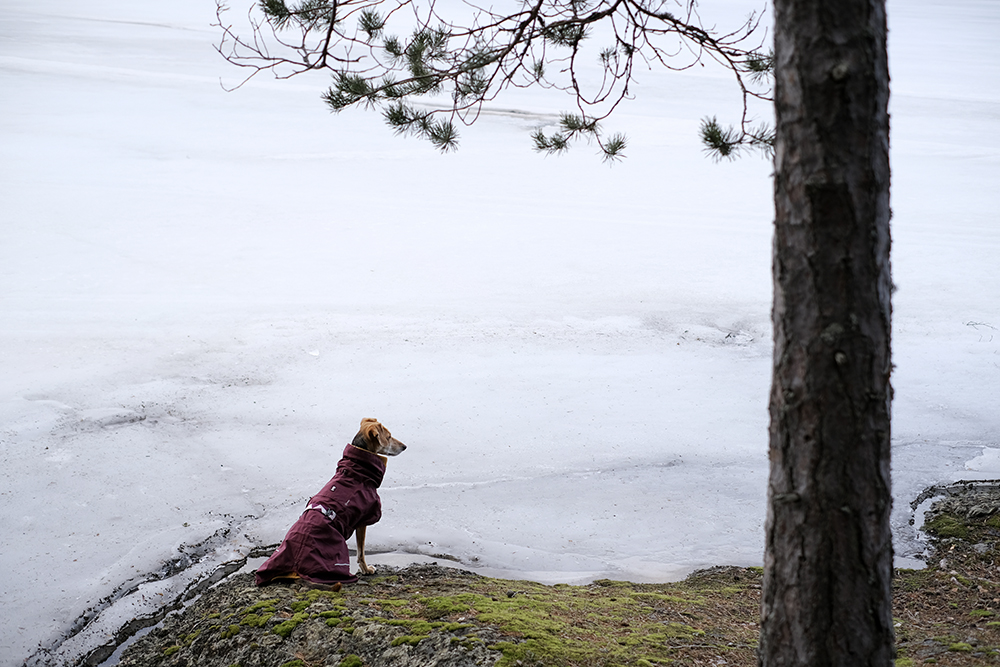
x=396 y=446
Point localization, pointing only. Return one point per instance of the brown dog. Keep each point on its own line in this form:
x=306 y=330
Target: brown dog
x=315 y=547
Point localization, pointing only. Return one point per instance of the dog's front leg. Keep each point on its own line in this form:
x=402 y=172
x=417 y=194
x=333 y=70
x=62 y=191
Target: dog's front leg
x=363 y=567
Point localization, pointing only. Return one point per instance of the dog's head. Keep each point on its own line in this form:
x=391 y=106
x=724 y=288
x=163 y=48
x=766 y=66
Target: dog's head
x=376 y=439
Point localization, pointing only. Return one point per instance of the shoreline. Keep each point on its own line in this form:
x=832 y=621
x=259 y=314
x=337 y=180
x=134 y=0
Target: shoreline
x=970 y=500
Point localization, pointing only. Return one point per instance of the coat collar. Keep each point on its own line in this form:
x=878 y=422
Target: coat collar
x=362 y=463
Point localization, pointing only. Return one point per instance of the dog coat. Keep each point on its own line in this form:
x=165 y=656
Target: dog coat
x=315 y=547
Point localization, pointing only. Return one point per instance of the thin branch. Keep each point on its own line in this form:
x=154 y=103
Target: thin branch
x=542 y=42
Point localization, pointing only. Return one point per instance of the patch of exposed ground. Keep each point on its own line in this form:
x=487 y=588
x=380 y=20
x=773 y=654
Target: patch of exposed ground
x=429 y=616
x=949 y=614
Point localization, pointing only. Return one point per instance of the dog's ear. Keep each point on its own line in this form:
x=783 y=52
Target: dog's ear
x=368 y=434
x=372 y=430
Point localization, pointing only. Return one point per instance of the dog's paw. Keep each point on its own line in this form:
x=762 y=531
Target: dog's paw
x=365 y=568
x=335 y=587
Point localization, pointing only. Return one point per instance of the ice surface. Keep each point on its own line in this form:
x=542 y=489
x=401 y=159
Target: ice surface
x=202 y=293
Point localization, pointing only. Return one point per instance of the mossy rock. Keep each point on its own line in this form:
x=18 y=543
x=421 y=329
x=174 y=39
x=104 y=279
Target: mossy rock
x=285 y=628
x=947 y=526
x=943 y=616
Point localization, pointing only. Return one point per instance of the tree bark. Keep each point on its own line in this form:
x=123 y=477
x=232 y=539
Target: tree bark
x=828 y=559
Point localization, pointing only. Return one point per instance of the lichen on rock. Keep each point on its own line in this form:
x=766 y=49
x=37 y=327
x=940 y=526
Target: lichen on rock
x=431 y=616
x=237 y=623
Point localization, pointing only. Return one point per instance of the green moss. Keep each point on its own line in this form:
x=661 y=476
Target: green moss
x=394 y=603
x=605 y=624
x=993 y=624
x=300 y=605
x=306 y=599
x=316 y=594
x=466 y=642
x=211 y=615
x=293 y=663
x=671 y=631
x=660 y=597
x=454 y=604
x=421 y=627
x=187 y=639
x=231 y=631
x=961 y=647
x=904 y=662
x=170 y=650
x=285 y=628
x=993 y=521
x=452 y=627
x=268 y=605
x=521 y=614
x=351 y=660
x=411 y=640
x=946 y=525
x=570 y=625
x=256 y=620
x=416 y=626
x=529 y=619
x=543 y=651
x=981 y=613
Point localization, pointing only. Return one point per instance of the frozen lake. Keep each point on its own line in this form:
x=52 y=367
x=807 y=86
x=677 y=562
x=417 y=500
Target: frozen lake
x=202 y=293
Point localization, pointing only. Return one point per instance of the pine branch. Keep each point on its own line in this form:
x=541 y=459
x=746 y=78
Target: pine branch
x=542 y=42
x=728 y=143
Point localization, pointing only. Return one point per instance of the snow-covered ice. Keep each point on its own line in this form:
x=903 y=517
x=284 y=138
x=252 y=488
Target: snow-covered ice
x=202 y=293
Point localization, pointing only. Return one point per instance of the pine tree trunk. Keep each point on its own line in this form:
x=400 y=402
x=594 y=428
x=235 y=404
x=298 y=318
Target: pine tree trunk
x=828 y=560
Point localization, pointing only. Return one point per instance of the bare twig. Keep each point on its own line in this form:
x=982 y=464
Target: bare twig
x=540 y=42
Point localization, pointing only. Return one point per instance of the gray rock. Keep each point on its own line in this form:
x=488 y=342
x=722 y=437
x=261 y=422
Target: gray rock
x=238 y=623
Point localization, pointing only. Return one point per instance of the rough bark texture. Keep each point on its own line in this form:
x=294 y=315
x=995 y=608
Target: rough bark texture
x=828 y=559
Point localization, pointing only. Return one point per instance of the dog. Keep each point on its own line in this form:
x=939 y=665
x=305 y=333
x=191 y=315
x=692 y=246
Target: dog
x=315 y=548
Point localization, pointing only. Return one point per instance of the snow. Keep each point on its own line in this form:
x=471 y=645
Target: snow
x=202 y=293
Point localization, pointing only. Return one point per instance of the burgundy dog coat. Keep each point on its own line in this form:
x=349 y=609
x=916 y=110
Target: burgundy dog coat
x=315 y=547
